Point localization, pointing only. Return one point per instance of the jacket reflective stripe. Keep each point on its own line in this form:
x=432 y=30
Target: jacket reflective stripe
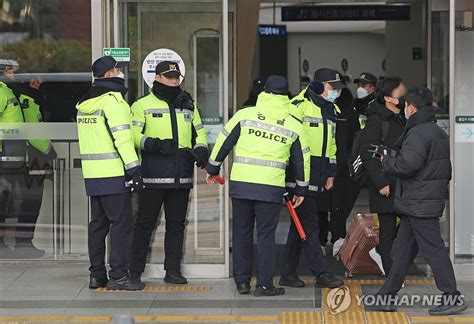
x=293 y=185
x=12 y=158
x=119 y=128
x=267 y=163
x=166 y=180
x=333 y=161
x=139 y=124
x=215 y=163
x=312 y=120
x=225 y=132
x=198 y=127
x=200 y=145
x=132 y=165
x=306 y=150
x=12 y=101
x=330 y=122
x=271 y=128
x=99 y=112
x=302 y=183
x=156 y=111
x=100 y=156
x=184 y=111
x=142 y=142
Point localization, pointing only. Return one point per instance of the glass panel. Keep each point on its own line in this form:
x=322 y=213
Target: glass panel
x=199 y=42
x=464 y=131
x=45 y=57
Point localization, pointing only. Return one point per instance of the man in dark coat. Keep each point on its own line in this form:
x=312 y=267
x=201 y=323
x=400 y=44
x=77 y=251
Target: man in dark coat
x=385 y=125
x=423 y=170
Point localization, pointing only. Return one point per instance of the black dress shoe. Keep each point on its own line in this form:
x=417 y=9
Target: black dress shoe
x=175 y=277
x=261 y=291
x=449 y=307
x=136 y=282
x=243 y=287
x=97 y=282
x=292 y=280
x=125 y=283
x=328 y=280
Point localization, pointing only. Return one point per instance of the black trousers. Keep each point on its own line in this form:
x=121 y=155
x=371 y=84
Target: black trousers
x=31 y=196
x=334 y=222
x=110 y=213
x=308 y=215
x=176 y=207
x=420 y=234
x=387 y=235
x=245 y=214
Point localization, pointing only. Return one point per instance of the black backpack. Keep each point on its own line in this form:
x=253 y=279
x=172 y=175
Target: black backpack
x=355 y=162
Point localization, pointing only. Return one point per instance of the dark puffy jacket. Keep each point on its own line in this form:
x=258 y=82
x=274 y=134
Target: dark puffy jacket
x=422 y=166
x=377 y=115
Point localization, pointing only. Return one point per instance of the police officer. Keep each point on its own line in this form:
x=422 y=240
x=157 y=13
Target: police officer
x=12 y=158
x=40 y=154
x=109 y=160
x=267 y=139
x=314 y=106
x=168 y=131
x=365 y=93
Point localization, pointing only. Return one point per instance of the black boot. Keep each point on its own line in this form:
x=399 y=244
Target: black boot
x=124 y=283
x=450 y=305
x=328 y=280
x=261 y=291
x=96 y=282
x=136 y=281
x=243 y=287
x=292 y=280
x=175 y=277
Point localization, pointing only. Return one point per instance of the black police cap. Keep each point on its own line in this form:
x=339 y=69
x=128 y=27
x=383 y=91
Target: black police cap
x=168 y=68
x=105 y=64
x=366 y=77
x=276 y=84
x=330 y=76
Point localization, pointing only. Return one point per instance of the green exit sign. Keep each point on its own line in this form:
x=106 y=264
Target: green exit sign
x=118 y=53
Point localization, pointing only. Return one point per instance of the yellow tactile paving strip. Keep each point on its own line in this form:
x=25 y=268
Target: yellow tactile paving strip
x=186 y=288
x=310 y=317
x=312 y=282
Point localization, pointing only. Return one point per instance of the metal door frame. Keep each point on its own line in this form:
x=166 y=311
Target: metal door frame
x=104 y=24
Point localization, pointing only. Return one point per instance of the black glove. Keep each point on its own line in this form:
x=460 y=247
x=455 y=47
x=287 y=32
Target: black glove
x=167 y=146
x=201 y=155
x=136 y=184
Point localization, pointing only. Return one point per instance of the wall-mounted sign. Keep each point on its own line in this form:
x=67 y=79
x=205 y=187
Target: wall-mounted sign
x=121 y=54
x=346 y=12
x=272 y=30
x=157 y=56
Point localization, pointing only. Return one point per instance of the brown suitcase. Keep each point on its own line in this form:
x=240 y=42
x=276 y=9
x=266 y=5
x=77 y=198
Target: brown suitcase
x=360 y=239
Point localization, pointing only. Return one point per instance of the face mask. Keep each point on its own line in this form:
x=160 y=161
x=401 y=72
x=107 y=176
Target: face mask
x=332 y=95
x=401 y=103
x=362 y=93
x=121 y=75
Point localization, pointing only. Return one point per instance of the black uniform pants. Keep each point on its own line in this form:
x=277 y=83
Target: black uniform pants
x=245 y=214
x=420 y=234
x=110 y=213
x=176 y=207
x=334 y=222
x=308 y=215
x=31 y=195
x=387 y=235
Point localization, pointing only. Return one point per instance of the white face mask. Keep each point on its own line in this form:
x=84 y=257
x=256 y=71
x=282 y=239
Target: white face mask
x=332 y=95
x=121 y=75
x=362 y=93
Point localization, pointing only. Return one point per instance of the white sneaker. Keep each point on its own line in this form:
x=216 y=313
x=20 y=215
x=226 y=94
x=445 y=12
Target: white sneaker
x=377 y=258
x=337 y=247
x=323 y=249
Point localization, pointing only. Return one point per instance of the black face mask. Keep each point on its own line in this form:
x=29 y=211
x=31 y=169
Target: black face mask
x=401 y=103
x=166 y=92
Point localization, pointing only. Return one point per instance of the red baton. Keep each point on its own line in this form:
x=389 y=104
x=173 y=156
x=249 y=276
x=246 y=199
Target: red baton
x=294 y=217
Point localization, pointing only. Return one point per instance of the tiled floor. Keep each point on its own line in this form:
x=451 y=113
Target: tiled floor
x=30 y=292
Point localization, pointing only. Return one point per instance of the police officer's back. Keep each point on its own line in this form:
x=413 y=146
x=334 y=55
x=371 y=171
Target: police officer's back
x=267 y=139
